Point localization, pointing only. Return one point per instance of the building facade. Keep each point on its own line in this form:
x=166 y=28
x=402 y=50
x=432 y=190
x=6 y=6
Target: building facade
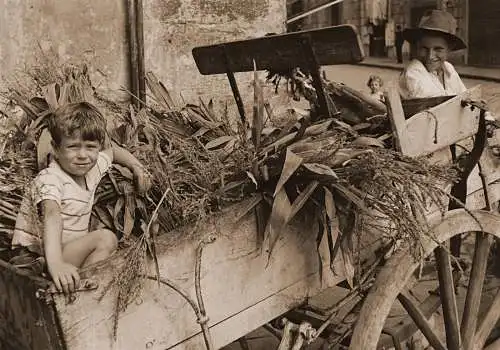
x=95 y=32
x=478 y=23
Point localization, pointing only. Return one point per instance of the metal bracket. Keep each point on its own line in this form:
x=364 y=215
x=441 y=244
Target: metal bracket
x=46 y=295
x=294 y=336
x=313 y=68
x=234 y=86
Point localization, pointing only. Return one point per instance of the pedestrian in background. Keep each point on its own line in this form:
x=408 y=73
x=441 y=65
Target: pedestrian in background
x=399 y=41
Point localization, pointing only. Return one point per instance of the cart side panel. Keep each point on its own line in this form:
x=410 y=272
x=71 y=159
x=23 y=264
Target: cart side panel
x=242 y=289
x=26 y=323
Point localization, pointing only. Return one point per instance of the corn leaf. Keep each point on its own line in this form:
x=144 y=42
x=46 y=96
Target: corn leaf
x=44 y=149
x=299 y=202
x=323 y=246
x=160 y=94
x=50 y=95
x=124 y=171
x=320 y=169
x=349 y=195
x=269 y=131
x=292 y=163
x=218 y=142
x=201 y=131
x=332 y=226
x=341 y=157
x=128 y=215
x=368 y=141
x=120 y=203
x=232 y=185
x=348 y=259
x=251 y=203
x=277 y=221
x=63 y=94
x=105 y=217
x=209 y=110
x=320 y=247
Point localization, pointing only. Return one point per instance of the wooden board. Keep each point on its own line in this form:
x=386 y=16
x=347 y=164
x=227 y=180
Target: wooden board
x=454 y=123
x=417 y=105
x=435 y=128
x=26 y=323
x=332 y=45
x=240 y=292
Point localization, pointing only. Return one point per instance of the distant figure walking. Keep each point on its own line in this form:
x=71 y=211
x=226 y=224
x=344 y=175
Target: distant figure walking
x=399 y=41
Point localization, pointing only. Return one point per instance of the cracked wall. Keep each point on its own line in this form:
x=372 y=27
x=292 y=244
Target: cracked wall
x=96 y=32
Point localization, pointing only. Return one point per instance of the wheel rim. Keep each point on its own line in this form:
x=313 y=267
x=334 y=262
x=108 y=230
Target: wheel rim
x=395 y=275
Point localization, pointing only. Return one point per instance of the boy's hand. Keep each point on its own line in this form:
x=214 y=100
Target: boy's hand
x=65 y=276
x=142 y=179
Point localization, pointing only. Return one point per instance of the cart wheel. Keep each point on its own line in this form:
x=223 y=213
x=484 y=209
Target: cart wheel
x=469 y=333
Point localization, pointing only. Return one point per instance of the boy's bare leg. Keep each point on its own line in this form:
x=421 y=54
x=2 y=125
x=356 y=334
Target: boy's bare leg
x=91 y=248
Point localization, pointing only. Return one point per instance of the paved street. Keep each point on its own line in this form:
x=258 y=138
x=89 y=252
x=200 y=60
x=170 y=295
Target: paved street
x=357 y=76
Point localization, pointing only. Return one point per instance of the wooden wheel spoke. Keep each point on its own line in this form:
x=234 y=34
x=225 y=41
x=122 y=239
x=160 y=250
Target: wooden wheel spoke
x=488 y=323
x=474 y=289
x=421 y=322
x=448 y=300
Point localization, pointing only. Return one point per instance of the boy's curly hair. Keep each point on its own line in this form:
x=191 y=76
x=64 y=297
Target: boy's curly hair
x=375 y=78
x=81 y=118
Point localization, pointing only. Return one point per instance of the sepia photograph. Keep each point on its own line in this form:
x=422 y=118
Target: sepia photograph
x=250 y=175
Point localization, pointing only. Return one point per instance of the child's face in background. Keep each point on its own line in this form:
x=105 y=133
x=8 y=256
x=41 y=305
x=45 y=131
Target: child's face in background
x=77 y=156
x=375 y=86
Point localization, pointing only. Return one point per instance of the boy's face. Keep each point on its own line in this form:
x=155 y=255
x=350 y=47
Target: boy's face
x=433 y=52
x=77 y=156
x=375 y=86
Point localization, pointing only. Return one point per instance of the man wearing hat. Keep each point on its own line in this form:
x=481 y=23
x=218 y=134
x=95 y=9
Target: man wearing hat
x=430 y=75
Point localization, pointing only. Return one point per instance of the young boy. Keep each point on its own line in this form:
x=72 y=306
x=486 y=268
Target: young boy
x=375 y=84
x=63 y=195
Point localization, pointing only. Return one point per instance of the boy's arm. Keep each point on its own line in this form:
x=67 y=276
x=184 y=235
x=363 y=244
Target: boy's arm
x=123 y=157
x=64 y=275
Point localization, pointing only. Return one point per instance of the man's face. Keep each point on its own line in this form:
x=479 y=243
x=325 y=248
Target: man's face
x=432 y=52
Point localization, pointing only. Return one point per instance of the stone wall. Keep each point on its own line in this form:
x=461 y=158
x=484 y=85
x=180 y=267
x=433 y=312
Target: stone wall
x=322 y=18
x=96 y=32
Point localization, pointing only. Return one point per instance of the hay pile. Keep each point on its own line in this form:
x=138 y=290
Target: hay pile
x=336 y=169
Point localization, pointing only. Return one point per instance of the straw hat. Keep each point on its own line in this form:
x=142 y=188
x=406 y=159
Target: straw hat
x=440 y=23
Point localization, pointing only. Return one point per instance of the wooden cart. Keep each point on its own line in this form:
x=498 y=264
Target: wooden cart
x=241 y=289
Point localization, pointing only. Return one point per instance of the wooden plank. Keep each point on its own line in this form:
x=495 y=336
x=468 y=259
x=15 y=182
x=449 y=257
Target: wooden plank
x=490 y=166
x=237 y=283
x=397 y=118
x=490 y=169
x=332 y=45
x=227 y=331
x=26 y=323
x=417 y=105
x=476 y=199
x=441 y=126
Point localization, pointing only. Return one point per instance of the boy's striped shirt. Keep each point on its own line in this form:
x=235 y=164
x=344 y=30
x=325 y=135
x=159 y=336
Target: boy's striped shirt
x=74 y=201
